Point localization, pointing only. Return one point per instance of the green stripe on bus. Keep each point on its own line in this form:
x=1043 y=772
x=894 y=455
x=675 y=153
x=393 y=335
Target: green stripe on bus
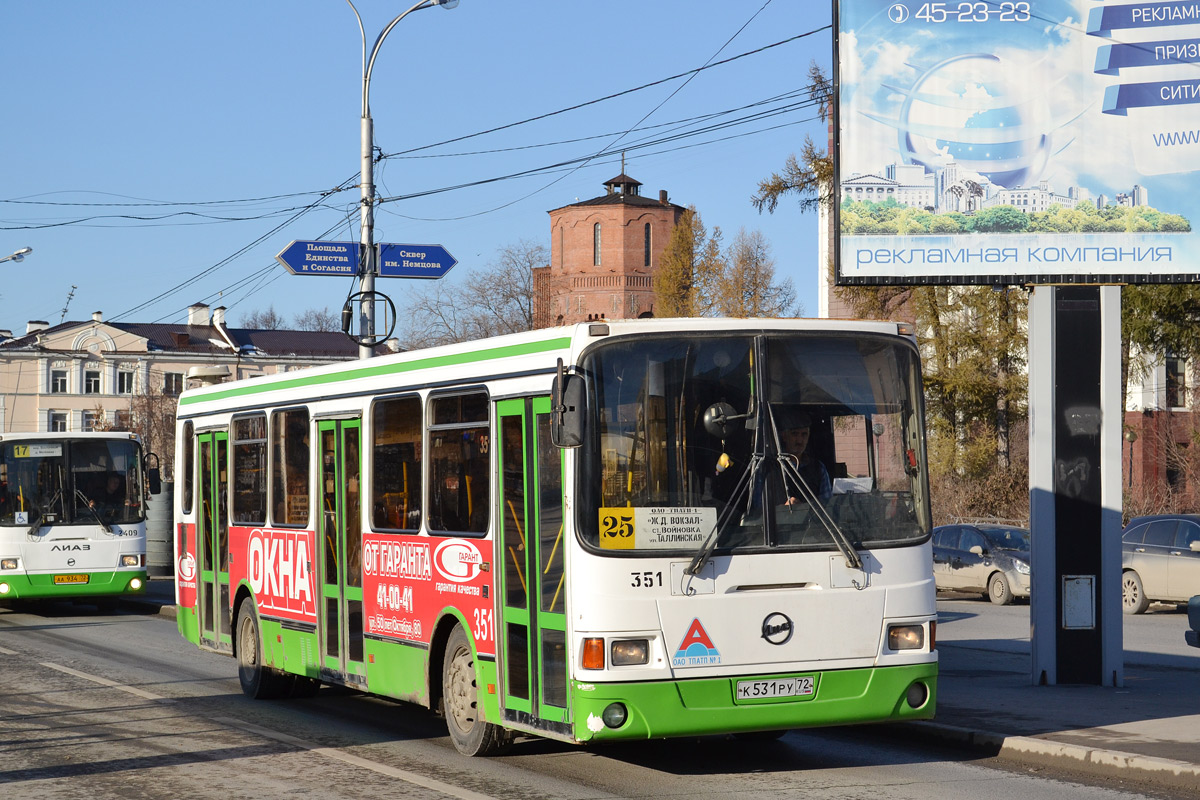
x=510 y=351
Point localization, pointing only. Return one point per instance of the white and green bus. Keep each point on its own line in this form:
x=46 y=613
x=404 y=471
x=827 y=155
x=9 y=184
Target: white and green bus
x=591 y=533
x=72 y=517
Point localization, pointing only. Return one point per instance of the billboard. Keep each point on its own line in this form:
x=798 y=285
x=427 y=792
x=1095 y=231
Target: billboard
x=1004 y=142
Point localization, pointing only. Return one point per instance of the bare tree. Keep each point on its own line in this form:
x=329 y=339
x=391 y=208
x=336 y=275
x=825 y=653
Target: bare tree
x=268 y=320
x=747 y=287
x=153 y=414
x=492 y=301
x=318 y=319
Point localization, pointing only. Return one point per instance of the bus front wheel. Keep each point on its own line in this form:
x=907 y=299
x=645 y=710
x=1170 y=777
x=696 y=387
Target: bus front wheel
x=471 y=734
x=259 y=682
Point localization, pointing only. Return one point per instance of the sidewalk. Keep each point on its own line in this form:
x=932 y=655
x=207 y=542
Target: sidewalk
x=1148 y=730
x=986 y=699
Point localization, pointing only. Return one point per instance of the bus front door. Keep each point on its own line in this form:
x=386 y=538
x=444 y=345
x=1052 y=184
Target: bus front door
x=340 y=612
x=212 y=541
x=533 y=641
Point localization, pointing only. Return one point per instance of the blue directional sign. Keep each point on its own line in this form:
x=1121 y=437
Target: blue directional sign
x=320 y=258
x=414 y=261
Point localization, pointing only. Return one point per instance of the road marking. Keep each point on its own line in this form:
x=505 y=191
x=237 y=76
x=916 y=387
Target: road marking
x=353 y=760
x=106 y=682
x=6 y=652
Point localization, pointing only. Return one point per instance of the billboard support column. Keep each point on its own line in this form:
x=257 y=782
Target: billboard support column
x=1075 y=420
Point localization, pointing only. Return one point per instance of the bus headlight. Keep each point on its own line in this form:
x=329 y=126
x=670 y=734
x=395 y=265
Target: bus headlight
x=8 y=563
x=630 y=652
x=129 y=561
x=3 y=589
x=135 y=585
x=905 y=637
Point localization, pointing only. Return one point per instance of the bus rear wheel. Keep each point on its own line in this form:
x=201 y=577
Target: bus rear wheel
x=471 y=734
x=258 y=682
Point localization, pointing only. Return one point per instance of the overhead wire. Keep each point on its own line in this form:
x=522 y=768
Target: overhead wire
x=568 y=165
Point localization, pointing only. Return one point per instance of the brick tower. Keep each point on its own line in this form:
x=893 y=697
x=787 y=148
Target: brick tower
x=603 y=254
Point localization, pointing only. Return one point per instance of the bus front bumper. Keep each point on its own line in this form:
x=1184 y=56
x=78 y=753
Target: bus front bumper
x=710 y=706
x=21 y=586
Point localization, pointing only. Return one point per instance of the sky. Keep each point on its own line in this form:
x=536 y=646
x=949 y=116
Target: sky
x=157 y=155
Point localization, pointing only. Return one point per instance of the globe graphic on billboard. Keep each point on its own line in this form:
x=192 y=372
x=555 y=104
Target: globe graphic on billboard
x=981 y=113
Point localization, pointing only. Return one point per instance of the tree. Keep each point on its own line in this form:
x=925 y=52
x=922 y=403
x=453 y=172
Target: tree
x=268 y=320
x=489 y=302
x=809 y=178
x=688 y=269
x=747 y=286
x=318 y=319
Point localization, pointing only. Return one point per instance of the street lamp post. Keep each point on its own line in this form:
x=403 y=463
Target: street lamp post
x=19 y=255
x=367 y=214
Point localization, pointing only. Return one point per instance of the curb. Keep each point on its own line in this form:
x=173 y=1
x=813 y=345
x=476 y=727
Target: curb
x=1151 y=768
x=149 y=606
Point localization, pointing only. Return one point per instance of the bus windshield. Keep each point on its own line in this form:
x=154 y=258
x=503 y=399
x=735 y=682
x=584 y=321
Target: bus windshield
x=749 y=435
x=70 y=481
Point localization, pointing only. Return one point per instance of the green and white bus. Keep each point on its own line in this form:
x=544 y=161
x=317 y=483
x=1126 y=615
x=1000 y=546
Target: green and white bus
x=72 y=516
x=591 y=533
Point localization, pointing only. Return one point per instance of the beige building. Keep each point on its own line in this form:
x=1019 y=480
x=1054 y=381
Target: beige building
x=79 y=376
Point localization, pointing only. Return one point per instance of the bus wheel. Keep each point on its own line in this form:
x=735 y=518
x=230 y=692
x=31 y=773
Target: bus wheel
x=471 y=734
x=258 y=682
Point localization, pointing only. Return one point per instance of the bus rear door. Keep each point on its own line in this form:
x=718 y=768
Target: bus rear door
x=340 y=532
x=533 y=644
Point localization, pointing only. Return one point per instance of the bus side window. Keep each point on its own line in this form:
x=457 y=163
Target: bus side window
x=460 y=443
x=396 y=464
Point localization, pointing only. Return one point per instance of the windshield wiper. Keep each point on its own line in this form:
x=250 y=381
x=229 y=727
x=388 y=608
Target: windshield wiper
x=88 y=505
x=710 y=542
x=788 y=465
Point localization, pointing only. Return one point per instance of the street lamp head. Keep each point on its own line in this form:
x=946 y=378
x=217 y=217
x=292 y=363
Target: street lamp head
x=19 y=255
x=446 y=4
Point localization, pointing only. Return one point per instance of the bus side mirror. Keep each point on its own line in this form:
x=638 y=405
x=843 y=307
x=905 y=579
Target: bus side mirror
x=567 y=406
x=153 y=480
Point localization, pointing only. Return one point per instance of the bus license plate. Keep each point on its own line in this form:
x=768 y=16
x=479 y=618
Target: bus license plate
x=70 y=578
x=801 y=686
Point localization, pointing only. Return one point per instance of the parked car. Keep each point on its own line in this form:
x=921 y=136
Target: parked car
x=993 y=559
x=1160 y=560
x=1192 y=637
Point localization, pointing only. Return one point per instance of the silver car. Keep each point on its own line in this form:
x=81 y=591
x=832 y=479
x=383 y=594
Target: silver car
x=1160 y=560
x=992 y=559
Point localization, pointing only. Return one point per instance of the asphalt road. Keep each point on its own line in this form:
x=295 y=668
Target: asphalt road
x=120 y=706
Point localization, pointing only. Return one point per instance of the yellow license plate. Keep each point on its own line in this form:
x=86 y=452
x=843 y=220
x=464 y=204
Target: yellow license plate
x=70 y=578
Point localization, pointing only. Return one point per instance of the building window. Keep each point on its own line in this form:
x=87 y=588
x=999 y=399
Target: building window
x=58 y=422
x=91 y=382
x=89 y=420
x=122 y=420
x=172 y=383
x=125 y=382
x=58 y=381
x=1176 y=394
x=596 y=244
x=646 y=244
